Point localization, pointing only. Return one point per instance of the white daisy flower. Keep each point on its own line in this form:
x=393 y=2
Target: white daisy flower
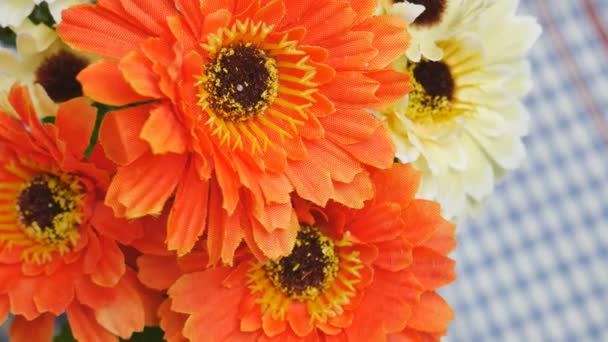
x=433 y=20
x=463 y=122
x=14 y=12
x=43 y=63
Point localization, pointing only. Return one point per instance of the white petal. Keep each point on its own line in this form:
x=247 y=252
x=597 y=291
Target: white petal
x=14 y=12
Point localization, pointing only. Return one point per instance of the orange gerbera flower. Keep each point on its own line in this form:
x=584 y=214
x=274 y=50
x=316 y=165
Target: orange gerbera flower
x=57 y=239
x=353 y=275
x=246 y=101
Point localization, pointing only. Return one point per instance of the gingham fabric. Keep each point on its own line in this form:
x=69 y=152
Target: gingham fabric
x=534 y=265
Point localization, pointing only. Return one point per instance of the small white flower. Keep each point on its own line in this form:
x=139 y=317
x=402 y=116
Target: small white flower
x=14 y=12
x=463 y=121
x=433 y=20
x=44 y=63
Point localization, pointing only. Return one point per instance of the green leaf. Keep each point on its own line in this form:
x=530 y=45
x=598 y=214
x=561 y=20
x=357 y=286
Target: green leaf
x=42 y=14
x=7 y=37
x=65 y=335
x=150 y=334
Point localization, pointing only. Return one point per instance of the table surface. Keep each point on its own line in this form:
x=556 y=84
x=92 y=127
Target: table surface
x=534 y=265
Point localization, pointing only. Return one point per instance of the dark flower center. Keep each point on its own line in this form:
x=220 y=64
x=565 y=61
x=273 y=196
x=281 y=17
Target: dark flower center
x=310 y=267
x=241 y=82
x=57 y=75
x=43 y=200
x=433 y=11
x=435 y=78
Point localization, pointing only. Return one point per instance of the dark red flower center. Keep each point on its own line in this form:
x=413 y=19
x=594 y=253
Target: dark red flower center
x=47 y=202
x=433 y=11
x=435 y=78
x=241 y=82
x=57 y=75
x=306 y=271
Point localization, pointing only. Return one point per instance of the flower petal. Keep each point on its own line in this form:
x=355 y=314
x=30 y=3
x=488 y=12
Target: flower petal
x=39 y=329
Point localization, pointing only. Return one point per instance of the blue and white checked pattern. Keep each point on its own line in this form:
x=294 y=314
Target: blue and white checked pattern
x=534 y=265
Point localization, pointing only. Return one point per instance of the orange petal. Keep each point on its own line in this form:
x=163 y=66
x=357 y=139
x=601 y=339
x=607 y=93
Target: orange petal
x=422 y=219
x=21 y=298
x=138 y=72
x=92 y=295
x=158 y=272
x=224 y=235
x=125 y=313
x=352 y=50
x=95 y=30
x=39 y=329
x=55 y=293
x=142 y=187
x=75 y=121
x=361 y=90
x=277 y=243
x=432 y=314
x=299 y=319
x=124 y=231
x=432 y=269
x=354 y=194
x=152 y=16
x=188 y=217
x=164 y=132
x=111 y=266
x=350 y=126
x=311 y=180
x=399 y=184
x=390 y=37
x=380 y=222
x=395 y=255
x=272 y=327
x=119 y=134
x=385 y=308
x=104 y=82
x=393 y=86
x=84 y=325
x=4 y=308
x=444 y=240
x=377 y=151
x=171 y=322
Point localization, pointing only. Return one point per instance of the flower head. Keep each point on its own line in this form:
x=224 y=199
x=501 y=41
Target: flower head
x=463 y=121
x=354 y=274
x=432 y=21
x=44 y=64
x=245 y=102
x=58 y=249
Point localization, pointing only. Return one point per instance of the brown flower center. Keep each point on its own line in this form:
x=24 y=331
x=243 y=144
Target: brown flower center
x=311 y=266
x=57 y=75
x=431 y=99
x=242 y=81
x=433 y=11
x=435 y=78
x=48 y=207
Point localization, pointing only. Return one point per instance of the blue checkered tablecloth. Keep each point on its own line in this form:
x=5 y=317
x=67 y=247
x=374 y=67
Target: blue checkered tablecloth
x=534 y=265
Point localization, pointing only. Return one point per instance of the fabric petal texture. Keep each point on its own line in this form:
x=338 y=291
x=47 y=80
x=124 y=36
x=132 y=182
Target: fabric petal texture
x=195 y=120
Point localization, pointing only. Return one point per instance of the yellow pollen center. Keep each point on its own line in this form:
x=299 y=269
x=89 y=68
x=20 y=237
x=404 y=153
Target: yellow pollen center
x=321 y=272
x=433 y=90
x=49 y=212
x=309 y=269
x=240 y=82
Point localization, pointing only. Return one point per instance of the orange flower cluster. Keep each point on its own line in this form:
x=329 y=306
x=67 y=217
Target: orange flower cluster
x=237 y=189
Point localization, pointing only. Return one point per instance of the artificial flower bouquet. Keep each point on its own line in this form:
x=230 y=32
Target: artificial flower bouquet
x=248 y=170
